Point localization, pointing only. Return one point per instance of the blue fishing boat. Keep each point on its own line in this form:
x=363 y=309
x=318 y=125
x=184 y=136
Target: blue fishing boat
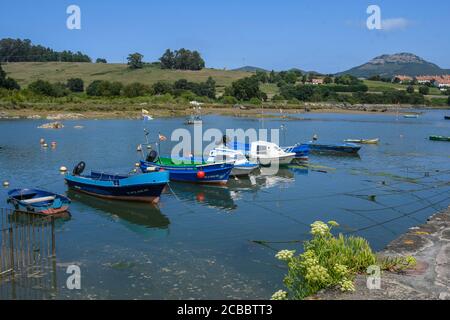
x=134 y=187
x=38 y=201
x=190 y=171
x=301 y=151
x=346 y=148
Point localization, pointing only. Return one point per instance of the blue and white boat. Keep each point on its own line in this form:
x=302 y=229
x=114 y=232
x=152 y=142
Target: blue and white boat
x=186 y=170
x=346 y=148
x=38 y=201
x=135 y=187
x=242 y=166
x=301 y=151
x=264 y=153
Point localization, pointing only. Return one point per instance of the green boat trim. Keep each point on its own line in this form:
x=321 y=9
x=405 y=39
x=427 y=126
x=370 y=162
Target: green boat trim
x=179 y=162
x=439 y=138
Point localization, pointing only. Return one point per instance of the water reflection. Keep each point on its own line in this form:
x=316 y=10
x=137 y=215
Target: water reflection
x=140 y=214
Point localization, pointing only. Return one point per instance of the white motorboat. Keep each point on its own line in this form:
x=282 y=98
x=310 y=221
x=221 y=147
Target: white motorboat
x=268 y=153
x=242 y=166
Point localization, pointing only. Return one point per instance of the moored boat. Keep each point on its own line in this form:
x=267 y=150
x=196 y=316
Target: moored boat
x=301 y=151
x=136 y=187
x=439 y=138
x=242 y=166
x=189 y=171
x=447 y=117
x=411 y=116
x=38 y=201
x=265 y=153
x=346 y=148
x=363 y=141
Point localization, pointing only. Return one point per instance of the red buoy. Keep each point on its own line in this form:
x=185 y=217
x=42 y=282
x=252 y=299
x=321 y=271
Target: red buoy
x=201 y=174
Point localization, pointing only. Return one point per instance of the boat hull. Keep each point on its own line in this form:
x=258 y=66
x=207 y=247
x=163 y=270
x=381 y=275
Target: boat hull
x=285 y=160
x=142 y=188
x=440 y=138
x=301 y=151
x=213 y=173
x=38 y=201
x=331 y=148
x=244 y=170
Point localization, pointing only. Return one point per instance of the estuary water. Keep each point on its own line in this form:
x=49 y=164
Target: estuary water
x=220 y=242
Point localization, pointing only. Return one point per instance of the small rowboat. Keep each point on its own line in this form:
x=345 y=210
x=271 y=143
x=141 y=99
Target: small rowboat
x=363 y=141
x=136 y=187
x=190 y=171
x=344 y=148
x=38 y=201
x=439 y=138
x=411 y=116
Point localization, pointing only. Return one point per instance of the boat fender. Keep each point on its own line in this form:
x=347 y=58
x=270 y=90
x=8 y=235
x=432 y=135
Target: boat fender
x=79 y=168
x=201 y=174
x=152 y=155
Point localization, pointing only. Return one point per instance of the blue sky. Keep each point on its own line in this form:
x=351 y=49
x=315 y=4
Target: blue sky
x=326 y=36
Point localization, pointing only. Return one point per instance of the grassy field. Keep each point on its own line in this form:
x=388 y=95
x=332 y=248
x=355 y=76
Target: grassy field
x=27 y=72
x=378 y=86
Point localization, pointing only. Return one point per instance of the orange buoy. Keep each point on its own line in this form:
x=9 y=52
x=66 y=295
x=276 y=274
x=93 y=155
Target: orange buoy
x=200 y=197
x=201 y=174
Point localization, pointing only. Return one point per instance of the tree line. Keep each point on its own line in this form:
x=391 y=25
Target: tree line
x=17 y=50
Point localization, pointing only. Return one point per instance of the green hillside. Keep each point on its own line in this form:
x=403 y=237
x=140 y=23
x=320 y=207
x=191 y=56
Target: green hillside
x=27 y=72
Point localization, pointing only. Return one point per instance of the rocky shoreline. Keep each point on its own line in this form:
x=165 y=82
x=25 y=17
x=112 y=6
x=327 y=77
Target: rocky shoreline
x=248 y=111
x=429 y=243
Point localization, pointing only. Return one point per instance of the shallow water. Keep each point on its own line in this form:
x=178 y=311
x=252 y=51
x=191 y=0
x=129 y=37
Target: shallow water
x=199 y=241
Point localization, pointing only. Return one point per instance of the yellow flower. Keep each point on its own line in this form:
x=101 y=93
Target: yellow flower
x=285 y=255
x=279 y=295
x=347 y=285
x=319 y=228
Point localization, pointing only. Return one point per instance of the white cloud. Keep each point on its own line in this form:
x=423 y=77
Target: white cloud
x=394 y=24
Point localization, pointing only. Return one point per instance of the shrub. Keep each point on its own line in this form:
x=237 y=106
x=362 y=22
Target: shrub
x=424 y=90
x=135 y=89
x=102 y=88
x=45 y=88
x=228 y=100
x=255 y=101
x=327 y=261
x=75 y=85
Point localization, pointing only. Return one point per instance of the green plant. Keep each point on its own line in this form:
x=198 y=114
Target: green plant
x=328 y=261
x=397 y=264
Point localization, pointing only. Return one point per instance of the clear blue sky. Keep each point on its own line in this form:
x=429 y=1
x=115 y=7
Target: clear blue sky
x=327 y=36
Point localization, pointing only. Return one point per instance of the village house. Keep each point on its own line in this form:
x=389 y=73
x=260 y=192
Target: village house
x=442 y=82
x=403 y=79
x=317 y=81
x=425 y=79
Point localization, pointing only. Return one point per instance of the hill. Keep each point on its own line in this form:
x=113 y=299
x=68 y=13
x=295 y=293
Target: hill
x=27 y=72
x=396 y=64
x=250 y=69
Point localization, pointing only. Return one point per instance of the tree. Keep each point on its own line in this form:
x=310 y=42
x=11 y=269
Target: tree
x=135 y=60
x=410 y=89
x=328 y=80
x=167 y=60
x=135 y=89
x=17 y=50
x=424 y=90
x=102 y=88
x=75 y=85
x=245 y=89
x=101 y=60
x=6 y=82
x=47 y=89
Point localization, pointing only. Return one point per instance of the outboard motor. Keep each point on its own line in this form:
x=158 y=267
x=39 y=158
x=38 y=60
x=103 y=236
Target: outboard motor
x=79 y=168
x=152 y=156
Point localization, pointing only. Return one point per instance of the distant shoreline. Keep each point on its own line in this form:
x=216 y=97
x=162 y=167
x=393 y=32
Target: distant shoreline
x=165 y=111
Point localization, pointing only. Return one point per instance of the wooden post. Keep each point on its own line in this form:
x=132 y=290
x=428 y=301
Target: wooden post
x=53 y=237
x=11 y=248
